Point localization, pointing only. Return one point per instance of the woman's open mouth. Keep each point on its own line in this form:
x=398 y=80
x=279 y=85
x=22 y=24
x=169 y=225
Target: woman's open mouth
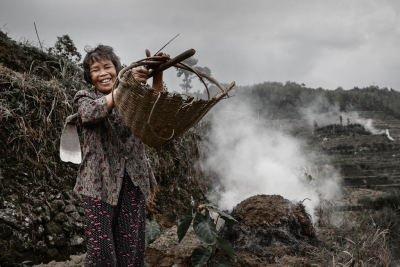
x=105 y=81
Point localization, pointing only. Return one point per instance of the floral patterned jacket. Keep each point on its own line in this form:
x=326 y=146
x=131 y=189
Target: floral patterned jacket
x=109 y=149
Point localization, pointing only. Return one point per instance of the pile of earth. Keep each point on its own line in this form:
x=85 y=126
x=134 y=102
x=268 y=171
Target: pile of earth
x=271 y=230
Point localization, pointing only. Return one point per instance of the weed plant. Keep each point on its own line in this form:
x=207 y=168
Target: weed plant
x=359 y=238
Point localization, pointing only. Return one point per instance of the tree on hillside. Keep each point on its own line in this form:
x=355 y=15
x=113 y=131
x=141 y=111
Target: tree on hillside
x=65 y=47
x=186 y=84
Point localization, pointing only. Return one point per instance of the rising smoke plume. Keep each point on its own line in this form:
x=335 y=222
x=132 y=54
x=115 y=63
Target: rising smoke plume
x=250 y=156
x=320 y=111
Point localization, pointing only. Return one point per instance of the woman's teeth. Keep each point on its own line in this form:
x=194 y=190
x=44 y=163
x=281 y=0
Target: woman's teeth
x=106 y=80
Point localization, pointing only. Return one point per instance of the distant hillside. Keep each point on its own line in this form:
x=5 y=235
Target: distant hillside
x=284 y=100
x=278 y=100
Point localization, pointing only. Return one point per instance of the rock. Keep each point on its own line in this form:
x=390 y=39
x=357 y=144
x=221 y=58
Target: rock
x=40 y=231
x=79 y=225
x=26 y=263
x=166 y=251
x=81 y=210
x=78 y=259
x=68 y=226
x=68 y=195
x=36 y=219
x=18 y=243
x=46 y=218
x=53 y=253
x=14 y=198
x=5 y=231
x=76 y=240
x=8 y=204
x=57 y=205
x=60 y=240
x=50 y=240
x=152 y=231
x=70 y=208
x=45 y=211
x=76 y=216
x=270 y=227
x=53 y=228
x=61 y=217
x=41 y=246
x=9 y=216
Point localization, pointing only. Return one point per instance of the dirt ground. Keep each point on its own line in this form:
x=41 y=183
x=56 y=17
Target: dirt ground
x=75 y=261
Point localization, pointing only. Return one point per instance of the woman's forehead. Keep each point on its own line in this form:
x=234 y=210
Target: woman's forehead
x=99 y=61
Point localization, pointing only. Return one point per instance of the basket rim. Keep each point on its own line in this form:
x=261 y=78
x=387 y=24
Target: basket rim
x=156 y=61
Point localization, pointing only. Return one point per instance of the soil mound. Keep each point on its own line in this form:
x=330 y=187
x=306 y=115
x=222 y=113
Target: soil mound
x=270 y=229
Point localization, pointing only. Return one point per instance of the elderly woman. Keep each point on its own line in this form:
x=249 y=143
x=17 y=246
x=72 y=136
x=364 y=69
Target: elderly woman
x=114 y=179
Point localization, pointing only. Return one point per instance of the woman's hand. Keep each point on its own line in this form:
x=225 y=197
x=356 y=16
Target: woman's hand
x=140 y=74
x=158 y=76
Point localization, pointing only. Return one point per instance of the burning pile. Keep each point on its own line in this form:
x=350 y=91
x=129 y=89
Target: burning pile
x=271 y=229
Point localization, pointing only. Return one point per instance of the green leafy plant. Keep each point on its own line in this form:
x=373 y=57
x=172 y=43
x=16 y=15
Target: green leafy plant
x=216 y=251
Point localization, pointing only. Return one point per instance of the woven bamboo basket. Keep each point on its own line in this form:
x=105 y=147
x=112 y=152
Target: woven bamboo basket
x=158 y=117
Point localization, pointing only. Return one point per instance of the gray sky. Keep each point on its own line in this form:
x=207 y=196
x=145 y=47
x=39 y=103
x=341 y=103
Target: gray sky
x=325 y=44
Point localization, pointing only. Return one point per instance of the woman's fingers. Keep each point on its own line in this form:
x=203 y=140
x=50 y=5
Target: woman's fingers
x=148 y=54
x=140 y=74
x=143 y=71
x=162 y=54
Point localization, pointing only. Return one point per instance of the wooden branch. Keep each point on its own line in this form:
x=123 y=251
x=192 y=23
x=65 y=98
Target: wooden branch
x=37 y=34
x=173 y=61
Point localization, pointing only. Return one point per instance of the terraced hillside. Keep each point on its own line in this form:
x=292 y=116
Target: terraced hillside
x=368 y=160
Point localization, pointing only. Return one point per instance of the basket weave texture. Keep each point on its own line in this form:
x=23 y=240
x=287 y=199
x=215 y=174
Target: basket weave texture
x=156 y=118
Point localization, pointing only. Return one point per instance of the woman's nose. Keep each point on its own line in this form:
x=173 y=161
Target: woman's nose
x=103 y=72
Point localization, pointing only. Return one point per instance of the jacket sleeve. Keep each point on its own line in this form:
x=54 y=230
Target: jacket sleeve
x=90 y=109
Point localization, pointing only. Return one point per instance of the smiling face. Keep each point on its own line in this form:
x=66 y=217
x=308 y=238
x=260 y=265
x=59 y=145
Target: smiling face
x=103 y=75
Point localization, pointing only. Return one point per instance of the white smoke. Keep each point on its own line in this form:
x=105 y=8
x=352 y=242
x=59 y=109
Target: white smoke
x=324 y=113
x=251 y=157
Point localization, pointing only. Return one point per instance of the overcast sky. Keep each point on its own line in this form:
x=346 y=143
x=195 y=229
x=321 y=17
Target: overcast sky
x=325 y=44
